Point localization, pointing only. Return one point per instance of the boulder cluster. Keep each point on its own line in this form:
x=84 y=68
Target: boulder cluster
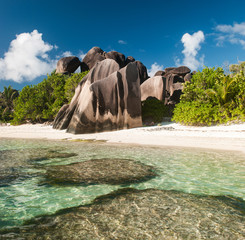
x=166 y=85
x=109 y=97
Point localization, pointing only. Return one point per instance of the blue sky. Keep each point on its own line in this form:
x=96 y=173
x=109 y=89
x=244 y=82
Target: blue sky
x=34 y=34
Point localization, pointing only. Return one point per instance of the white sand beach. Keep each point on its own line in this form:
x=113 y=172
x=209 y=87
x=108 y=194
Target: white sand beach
x=229 y=137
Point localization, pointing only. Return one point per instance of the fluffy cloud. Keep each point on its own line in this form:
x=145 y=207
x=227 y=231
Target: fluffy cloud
x=235 y=29
x=154 y=68
x=192 y=44
x=122 y=42
x=27 y=58
x=235 y=34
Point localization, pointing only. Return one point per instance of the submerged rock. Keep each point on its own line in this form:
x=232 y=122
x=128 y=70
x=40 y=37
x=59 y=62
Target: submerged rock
x=141 y=214
x=101 y=171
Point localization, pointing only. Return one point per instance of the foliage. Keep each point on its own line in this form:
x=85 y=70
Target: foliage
x=212 y=98
x=71 y=84
x=237 y=68
x=42 y=102
x=6 y=103
x=153 y=110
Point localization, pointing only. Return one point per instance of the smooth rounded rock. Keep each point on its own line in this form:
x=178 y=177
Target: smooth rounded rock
x=68 y=65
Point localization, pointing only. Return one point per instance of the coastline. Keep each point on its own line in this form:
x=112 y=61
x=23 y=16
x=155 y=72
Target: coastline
x=223 y=137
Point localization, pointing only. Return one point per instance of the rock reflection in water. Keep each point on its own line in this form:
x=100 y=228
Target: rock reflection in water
x=142 y=214
x=101 y=171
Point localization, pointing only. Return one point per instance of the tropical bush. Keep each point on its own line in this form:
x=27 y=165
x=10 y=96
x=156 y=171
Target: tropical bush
x=71 y=84
x=212 y=98
x=153 y=110
x=42 y=102
x=6 y=103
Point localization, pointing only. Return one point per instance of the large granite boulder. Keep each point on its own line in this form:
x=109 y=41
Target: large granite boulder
x=99 y=71
x=100 y=171
x=181 y=71
x=129 y=59
x=67 y=65
x=153 y=87
x=118 y=57
x=106 y=99
x=93 y=56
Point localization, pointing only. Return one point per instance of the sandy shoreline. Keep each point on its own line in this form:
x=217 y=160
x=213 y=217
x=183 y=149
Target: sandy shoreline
x=231 y=137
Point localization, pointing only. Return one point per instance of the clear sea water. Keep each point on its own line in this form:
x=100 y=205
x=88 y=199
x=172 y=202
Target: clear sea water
x=24 y=194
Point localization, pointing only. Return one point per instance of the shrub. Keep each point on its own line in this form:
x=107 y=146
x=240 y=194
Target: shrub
x=211 y=98
x=42 y=102
x=71 y=84
x=153 y=110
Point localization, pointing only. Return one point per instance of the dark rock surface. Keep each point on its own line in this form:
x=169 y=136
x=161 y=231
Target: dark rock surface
x=118 y=57
x=108 y=100
x=143 y=75
x=181 y=71
x=93 y=56
x=142 y=214
x=101 y=171
x=129 y=59
x=67 y=65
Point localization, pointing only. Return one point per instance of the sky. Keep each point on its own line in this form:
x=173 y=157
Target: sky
x=35 y=34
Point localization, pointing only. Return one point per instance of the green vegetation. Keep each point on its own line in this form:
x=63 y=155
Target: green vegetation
x=237 y=68
x=71 y=84
x=6 y=103
x=41 y=102
x=153 y=110
x=212 y=98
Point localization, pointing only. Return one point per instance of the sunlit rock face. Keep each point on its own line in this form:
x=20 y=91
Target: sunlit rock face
x=100 y=171
x=108 y=98
x=166 y=85
x=141 y=214
x=68 y=65
x=153 y=87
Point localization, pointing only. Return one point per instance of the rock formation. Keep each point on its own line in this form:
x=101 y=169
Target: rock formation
x=68 y=65
x=108 y=98
x=96 y=54
x=166 y=85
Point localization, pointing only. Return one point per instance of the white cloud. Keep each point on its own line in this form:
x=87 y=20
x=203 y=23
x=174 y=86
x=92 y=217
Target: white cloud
x=235 y=29
x=122 y=42
x=232 y=33
x=26 y=58
x=192 y=45
x=154 y=68
x=67 y=54
x=81 y=55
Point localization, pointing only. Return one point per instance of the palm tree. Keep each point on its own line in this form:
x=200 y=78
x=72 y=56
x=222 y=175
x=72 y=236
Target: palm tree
x=6 y=101
x=223 y=91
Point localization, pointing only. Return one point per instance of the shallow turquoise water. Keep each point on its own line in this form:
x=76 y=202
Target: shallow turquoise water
x=25 y=195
